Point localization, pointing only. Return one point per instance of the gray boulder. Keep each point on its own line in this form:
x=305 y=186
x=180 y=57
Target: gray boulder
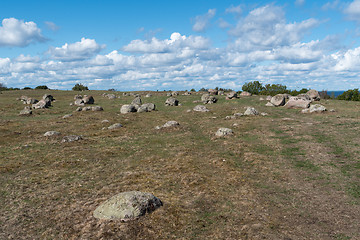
x=222 y=132
x=88 y=99
x=48 y=97
x=171 y=124
x=278 y=100
x=269 y=104
x=51 y=134
x=148 y=95
x=314 y=95
x=200 y=108
x=316 y=108
x=71 y=138
x=115 y=126
x=31 y=101
x=171 y=102
x=251 y=111
x=175 y=93
x=208 y=99
x=304 y=96
x=79 y=102
x=146 y=107
x=213 y=91
x=67 y=116
x=136 y=101
x=127 y=108
x=77 y=96
x=231 y=95
x=127 y=206
x=84 y=109
x=295 y=102
x=97 y=108
x=42 y=104
x=25 y=112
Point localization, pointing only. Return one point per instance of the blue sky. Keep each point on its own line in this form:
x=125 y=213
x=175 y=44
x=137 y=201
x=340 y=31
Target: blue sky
x=179 y=45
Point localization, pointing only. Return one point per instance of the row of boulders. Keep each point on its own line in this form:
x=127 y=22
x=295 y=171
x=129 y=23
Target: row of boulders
x=137 y=106
x=88 y=108
x=249 y=111
x=302 y=101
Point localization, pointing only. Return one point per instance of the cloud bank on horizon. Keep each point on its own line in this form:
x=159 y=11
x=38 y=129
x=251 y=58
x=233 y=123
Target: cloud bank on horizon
x=261 y=45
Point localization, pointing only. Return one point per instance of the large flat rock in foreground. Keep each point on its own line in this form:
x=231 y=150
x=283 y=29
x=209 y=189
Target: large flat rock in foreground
x=127 y=206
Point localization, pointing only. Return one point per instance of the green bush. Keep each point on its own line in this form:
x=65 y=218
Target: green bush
x=350 y=95
x=27 y=88
x=254 y=87
x=273 y=89
x=42 y=87
x=79 y=87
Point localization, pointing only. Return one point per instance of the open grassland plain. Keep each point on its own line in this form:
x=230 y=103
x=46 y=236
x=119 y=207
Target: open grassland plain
x=287 y=175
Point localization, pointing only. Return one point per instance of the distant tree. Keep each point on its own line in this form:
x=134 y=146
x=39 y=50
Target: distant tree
x=80 y=87
x=203 y=90
x=273 y=89
x=42 y=87
x=350 y=95
x=192 y=90
x=27 y=88
x=3 y=87
x=324 y=95
x=254 y=87
x=296 y=92
x=112 y=90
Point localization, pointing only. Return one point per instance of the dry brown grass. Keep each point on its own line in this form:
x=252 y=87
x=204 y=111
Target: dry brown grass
x=283 y=176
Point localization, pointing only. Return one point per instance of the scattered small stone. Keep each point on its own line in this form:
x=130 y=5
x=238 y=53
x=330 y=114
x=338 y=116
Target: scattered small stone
x=148 y=95
x=200 y=108
x=79 y=109
x=97 y=108
x=71 y=138
x=115 y=126
x=222 y=132
x=332 y=110
x=86 y=108
x=67 y=116
x=264 y=114
x=189 y=110
x=127 y=206
x=71 y=104
x=51 y=133
x=105 y=121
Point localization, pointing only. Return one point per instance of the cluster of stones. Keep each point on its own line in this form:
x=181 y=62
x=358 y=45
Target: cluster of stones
x=45 y=102
x=208 y=99
x=82 y=100
x=109 y=95
x=250 y=111
x=137 y=106
x=231 y=95
x=88 y=108
x=171 y=102
x=302 y=101
x=174 y=93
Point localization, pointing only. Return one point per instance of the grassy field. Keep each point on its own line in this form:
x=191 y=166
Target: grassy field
x=287 y=175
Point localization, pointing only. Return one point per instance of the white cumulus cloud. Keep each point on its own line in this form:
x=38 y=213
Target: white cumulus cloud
x=17 y=33
x=176 y=42
x=84 y=49
x=202 y=22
